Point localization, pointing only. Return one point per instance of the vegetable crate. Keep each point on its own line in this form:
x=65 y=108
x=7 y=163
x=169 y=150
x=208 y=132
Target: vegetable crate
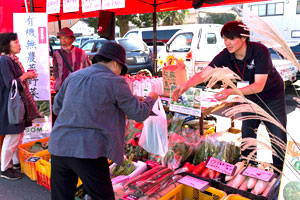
x=28 y=168
x=187 y=192
x=43 y=173
x=235 y=197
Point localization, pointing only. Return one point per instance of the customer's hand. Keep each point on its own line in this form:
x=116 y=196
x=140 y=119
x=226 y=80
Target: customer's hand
x=29 y=75
x=153 y=95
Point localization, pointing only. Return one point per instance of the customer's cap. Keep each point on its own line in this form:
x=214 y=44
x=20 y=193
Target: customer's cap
x=65 y=32
x=116 y=52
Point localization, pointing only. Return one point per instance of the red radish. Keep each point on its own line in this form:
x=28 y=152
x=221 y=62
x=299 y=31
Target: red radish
x=211 y=174
x=243 y=186
x=204 y=173
x=217 y=174
x=199 y=168
x=238 y=180
x=239 y=167
x=260 y=187
x=251 y=183
x=268 y=188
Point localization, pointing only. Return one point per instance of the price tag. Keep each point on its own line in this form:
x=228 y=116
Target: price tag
x=258 y=173
x=195 y=183
x=33 y=159
x=220 y=166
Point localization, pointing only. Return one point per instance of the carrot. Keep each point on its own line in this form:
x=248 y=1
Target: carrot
x=251 y=183
x=239 y=167
x=260 y=187
x=268 y=188
x=199 y=168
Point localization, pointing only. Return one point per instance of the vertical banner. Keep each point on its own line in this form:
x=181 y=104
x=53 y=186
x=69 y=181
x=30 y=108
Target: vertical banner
x=32 y=30
x=70 y=6
x=53 y=6
x=90 y=5
x=112 y=4
x=290 y=181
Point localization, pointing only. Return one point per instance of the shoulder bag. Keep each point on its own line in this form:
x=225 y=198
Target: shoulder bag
x=65 y=61
x=15 y=106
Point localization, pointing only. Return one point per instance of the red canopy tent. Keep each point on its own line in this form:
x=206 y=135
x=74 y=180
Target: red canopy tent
x=132 y=7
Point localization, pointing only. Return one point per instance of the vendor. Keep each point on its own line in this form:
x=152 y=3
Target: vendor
x=261 y=83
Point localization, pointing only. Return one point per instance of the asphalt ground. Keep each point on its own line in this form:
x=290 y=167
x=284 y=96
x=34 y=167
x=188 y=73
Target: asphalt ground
x=26 y=189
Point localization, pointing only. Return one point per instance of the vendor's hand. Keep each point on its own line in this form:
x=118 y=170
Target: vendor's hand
x=223 y=94
x=177 y=93
x=153 y=95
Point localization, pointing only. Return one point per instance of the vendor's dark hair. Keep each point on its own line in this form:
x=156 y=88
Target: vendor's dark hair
x=234 y=29
x=5 y=39
x=99 y=58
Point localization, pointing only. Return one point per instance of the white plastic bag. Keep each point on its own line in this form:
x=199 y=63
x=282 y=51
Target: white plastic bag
x=154 y=138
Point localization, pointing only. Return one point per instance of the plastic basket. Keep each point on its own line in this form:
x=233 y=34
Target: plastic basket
x=28 y=168
x=43 y=173
x=186 y=192
x=235 y=197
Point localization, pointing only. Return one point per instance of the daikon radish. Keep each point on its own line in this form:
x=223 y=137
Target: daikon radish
x=260 y=187
x=239 y=167
x=238 y=180
x=251 y=183
x=244 y=184
x=268 y=188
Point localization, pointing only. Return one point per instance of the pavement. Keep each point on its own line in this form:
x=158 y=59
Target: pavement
x=26 y=189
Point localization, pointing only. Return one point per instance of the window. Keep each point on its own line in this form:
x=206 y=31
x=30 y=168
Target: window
x=181 y=43
x=162 y=36
x=87 y=47
x=298 y=7
x=211 y=38
x=269 y=9
x=132 y=34
x=70 y=21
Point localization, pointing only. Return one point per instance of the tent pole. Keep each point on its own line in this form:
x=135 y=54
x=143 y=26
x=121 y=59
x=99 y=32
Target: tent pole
x=154 y=40
x=31 y=6
x=59 y=22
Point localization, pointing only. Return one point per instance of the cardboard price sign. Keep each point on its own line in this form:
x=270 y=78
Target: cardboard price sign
x=258 y=173
x=194 y=182
x=220 y=166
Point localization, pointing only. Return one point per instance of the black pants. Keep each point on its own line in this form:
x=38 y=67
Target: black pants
x=94 y=174
x=277 y=106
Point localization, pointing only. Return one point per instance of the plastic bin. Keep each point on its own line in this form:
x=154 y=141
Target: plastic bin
x=187 y=192
x=43 y=173
x=28 y=168
x=235 y=197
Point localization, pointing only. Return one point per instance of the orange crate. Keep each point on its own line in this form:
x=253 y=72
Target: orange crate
x=24 y=153
x=43 y=173
x=187 y=192
x=235 y=197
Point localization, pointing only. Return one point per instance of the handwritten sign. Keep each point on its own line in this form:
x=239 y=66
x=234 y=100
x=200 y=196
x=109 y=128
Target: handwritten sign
x=90 y=5
x=70 y=6
x=258 y=173
x=220 y=166
x=53 y=6
x=112 y=4
x=195 y=183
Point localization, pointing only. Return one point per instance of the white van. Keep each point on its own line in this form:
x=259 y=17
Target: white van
x=196 y=45
x=163 y=33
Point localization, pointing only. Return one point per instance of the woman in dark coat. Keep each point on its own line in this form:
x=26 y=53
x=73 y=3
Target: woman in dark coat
x=10 y=69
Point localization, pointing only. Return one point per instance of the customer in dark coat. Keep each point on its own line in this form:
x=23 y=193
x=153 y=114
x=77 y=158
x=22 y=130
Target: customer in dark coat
x=10 y=69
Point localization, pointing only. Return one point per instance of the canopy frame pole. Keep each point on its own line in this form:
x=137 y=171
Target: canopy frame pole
x=31 y=6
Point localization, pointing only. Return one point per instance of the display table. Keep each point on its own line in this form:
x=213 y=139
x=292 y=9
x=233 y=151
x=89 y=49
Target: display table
x=204 y=111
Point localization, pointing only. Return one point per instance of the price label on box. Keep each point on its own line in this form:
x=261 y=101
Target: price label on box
x=258 y=173
x=195 y=183
x=220 y=166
